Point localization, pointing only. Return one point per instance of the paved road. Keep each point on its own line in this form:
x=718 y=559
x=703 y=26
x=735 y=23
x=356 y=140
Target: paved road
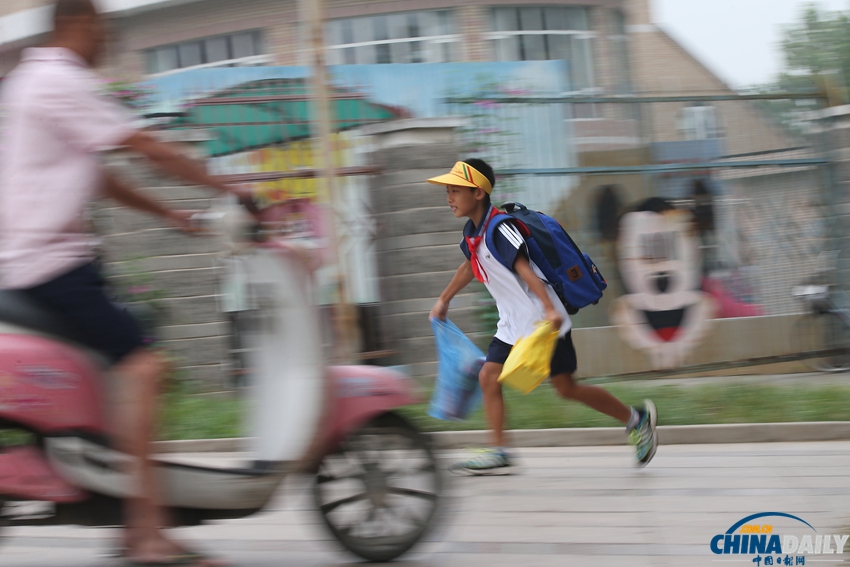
x=570 y=506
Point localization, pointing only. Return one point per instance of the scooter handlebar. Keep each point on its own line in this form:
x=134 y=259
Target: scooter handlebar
x=206 y=220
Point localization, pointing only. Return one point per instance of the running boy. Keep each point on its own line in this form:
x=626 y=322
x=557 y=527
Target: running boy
x=522 y=299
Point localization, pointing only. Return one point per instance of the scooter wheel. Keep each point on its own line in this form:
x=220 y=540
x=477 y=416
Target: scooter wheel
x=379 y=493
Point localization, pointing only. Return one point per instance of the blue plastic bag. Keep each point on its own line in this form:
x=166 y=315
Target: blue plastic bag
x=457 y=391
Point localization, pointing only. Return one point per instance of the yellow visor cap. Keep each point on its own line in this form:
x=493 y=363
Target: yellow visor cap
x=464 y=175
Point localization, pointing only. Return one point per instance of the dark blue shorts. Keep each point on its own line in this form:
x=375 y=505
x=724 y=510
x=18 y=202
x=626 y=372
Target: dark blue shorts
x=79 y=298
x=563 y=359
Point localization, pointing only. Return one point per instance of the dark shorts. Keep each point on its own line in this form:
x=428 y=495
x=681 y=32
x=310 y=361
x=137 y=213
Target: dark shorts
x=563 y=360
x=79 y=298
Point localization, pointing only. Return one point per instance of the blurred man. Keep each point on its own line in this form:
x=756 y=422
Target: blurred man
x=55 y=124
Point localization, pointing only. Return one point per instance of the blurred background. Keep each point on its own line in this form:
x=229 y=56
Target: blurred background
x=607 y=114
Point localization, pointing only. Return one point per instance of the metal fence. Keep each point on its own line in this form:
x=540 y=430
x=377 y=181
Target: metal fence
x=758 y=188
x=755 y=181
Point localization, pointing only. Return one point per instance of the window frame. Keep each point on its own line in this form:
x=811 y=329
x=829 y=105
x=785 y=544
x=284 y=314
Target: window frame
x=692 y=119
x=258 y=59
x=423 y=41
x=590 y=36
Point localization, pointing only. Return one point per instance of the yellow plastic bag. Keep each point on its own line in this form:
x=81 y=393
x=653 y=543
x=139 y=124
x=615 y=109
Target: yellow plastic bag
x=530 y=359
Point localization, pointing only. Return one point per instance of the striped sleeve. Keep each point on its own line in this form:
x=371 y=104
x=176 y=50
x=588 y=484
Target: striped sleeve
x=508 y=243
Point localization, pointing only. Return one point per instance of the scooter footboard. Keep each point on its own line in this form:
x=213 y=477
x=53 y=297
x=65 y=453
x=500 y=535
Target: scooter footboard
x=219 y=486
x=208 y=488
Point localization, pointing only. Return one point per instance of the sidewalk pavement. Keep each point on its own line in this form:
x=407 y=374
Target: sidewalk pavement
x=584 y=506
x=588 y=436
x=794 y=379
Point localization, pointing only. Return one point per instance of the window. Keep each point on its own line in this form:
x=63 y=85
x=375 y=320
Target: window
x=700 y=122
x=543 y=33
x=412 y=37
x=223 y=50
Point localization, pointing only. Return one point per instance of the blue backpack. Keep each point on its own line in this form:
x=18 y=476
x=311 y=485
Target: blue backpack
x=571 y=273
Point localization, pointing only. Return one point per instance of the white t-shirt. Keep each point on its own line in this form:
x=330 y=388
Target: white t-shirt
x=520 y=310
x=54 y=121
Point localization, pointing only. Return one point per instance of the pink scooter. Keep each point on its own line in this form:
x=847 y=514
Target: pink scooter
x=376 y=486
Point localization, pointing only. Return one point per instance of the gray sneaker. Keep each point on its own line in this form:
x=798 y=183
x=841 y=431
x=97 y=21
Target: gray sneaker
x=484 y=462
x=644 y=437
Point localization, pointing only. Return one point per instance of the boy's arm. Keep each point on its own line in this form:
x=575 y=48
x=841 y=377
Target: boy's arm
x=523 y=268
x=461 y=279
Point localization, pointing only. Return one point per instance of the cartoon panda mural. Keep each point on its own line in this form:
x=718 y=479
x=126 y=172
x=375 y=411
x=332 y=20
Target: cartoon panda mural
x=663 y=311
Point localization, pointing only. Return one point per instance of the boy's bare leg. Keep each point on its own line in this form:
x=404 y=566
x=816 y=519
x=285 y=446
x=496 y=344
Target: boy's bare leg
x=494 y=404
x=134 y=418
x=641 y=425
x=595 y=397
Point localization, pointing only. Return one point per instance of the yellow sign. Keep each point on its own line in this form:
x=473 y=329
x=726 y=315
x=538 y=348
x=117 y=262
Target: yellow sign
x=292 y=157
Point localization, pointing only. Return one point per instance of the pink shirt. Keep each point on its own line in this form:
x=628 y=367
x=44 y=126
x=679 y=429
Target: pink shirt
x=55 y=120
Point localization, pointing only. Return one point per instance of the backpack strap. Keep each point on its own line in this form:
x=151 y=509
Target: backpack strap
x=512 y=209
x=495 y=221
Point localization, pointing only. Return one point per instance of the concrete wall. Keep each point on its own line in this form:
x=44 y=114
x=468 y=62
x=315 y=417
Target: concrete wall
x=182 y=269
x=601 y=352
x=417 y=241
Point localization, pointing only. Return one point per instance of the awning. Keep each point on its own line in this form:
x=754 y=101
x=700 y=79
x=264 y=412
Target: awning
x=275 y=111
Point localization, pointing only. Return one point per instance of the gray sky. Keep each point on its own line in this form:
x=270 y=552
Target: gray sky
x=737 y=39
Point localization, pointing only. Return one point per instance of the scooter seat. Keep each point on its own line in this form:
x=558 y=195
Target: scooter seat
x=18 y=308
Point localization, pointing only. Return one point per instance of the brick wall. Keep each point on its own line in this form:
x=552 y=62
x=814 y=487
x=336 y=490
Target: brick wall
x=639 y=12
x=472 y=23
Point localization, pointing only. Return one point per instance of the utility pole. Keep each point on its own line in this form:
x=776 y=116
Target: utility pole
x=313 y=24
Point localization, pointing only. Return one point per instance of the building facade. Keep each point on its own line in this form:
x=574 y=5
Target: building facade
x=611 y=47
x=160 y=36
x=596 y=49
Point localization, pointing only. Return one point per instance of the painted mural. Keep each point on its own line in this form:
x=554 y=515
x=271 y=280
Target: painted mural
x=663 y=311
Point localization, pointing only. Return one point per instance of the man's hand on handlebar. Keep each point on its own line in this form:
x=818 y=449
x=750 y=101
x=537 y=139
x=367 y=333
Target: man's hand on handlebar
x=185 y=221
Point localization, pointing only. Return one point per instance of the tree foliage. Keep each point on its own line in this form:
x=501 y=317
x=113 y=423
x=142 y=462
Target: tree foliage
x=817 y=53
